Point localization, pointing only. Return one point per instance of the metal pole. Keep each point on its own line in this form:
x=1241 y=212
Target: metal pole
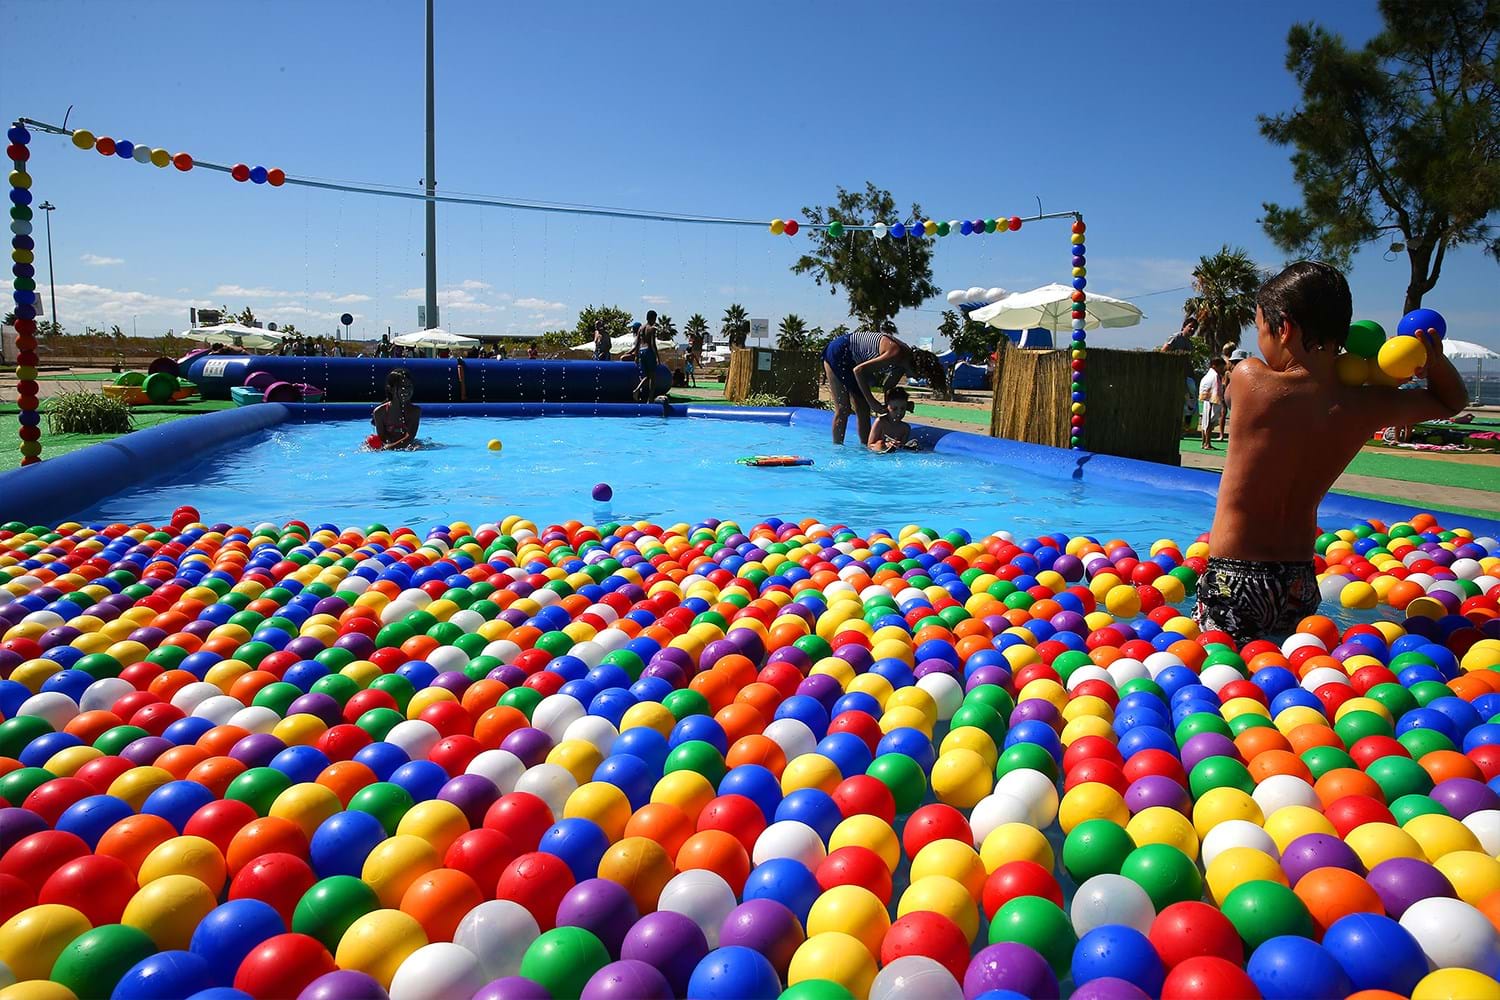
x=47 y=207
x=430 y=185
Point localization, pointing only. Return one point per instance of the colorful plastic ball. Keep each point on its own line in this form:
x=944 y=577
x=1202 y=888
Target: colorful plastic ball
x=165 y=974
x=1012 y=968
x=1333 y=893
x=1168 y=875
x=904 y=777
x=34 y=858
x=765 y=926
x=1453 y=984
x=1096 y=847
x=1454 y=935
x=563 y=960
x=98 y=885
x=95 y=961
x=1261 y=910
x=929 y=935
x=1111 y=900
x=850 y=910
x=855 y=866
x=1118 y=952
x=498 y=932
x=627 y=979
x=1207 y=978
x=377 y=942
x=437 y=971
x=343 y=984
x=283 y=966
x=785 y=880
x=1040 y=924
x=1293 y=968
x=833 y=956
x=732 y=973
x=602 y=492
x=1193 y=929
x=1420 y=320
x=31 y=940
x=1376 y=953
x=915 y=977
x=641 y=866
x=1015 y=879
x=168 y=909
x=1400 y=357
x=601 y=907
x=1402 y=882
x=231 y=931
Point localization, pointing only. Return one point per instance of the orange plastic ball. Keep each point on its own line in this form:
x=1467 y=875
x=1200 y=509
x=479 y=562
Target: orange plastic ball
x=1331 y=893
x=439 y=899
x=718 y=852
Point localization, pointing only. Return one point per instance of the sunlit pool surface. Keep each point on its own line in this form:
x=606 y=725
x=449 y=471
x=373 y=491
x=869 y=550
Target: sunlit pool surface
x=660 y=469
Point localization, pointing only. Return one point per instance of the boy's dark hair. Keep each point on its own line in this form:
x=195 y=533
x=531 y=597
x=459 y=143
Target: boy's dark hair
x=650 y=316
x=1216 y=362
x=897 y=392
x=1312 y=295
x=395 y=378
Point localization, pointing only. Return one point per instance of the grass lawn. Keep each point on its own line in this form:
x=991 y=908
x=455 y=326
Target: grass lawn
x=58 y=444
x=1404 y=468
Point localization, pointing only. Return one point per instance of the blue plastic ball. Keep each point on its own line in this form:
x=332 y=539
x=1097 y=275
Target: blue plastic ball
x=1376 y=953
x=166 y=974
x=736 y=972
x=1291 y=968
x=176 y=801
x=89 y=818
x=786 y=881
x=580 y=843
x=1422 y=319
x=341 y=843
x=755 y=783
x=1119 y=952
x=382 y=758
x=232 y=931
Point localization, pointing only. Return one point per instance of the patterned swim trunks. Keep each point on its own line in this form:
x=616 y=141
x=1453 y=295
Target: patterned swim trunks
x=1253 y=600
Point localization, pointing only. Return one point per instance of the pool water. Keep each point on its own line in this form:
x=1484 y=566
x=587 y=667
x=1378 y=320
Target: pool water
x=660 y=469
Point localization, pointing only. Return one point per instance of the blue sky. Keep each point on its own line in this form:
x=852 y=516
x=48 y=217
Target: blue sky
x=1140 y=115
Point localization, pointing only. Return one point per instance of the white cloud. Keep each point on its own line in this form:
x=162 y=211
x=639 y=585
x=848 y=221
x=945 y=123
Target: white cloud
x=455 y=298
x=656 y=300
x=543 y=304
x=80 y=303
x=97 y=261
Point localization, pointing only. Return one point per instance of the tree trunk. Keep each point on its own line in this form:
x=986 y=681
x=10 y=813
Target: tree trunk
x=1420 y=259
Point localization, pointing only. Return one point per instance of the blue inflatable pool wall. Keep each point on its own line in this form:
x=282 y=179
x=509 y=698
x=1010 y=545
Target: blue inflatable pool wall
x=362 y=380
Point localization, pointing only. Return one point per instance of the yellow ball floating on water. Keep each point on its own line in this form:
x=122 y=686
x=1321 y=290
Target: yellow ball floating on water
x=194 y=856
x=31 y=940
x=839 y=958
x=961 y=777
x=395 y=864
x=953 y=859
x=168 y=910
x=852 y=910
x=1474 y=874
x=1123 y=601
x=494 y=444
x=1091 y=800
x=1358 y=594
x=864 y=830
x=1452 y=984
x=1015 y=842
x=945 y=897
x=1237 y=865
x=1400 y=357
x=378 y=942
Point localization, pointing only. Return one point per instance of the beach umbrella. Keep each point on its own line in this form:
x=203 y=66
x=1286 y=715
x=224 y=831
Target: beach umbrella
x=435 y=338
x=1467 y=350
x=1051 y=308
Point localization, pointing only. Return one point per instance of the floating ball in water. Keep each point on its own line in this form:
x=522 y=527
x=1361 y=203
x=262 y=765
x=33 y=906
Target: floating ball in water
x=602 y=492
x=494 y=444
x=374 y=443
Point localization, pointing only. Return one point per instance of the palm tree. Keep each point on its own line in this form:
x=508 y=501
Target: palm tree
x=666 y=329
x=791 y=334
x=696 y=330
x=736 y=325
x=1226 y=283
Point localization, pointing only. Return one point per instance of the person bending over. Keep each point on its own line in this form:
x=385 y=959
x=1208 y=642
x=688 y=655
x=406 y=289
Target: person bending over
x=891 y=431
x=396 y=419
x=855 y=362
x=1296 y=428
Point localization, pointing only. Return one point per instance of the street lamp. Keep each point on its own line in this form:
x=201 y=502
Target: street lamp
x=47 y=207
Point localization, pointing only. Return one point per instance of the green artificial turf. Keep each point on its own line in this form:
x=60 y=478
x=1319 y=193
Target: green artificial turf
x=1402 y=467
x=59 y=444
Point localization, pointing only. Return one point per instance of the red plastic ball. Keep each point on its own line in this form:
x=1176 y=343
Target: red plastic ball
x=1190 y=930
x=1354 y=811
x=1155 y=762
x=1208 y=979
x=1369 y=749
x=934 y=822
x=1090 y=748
x=861 y=794
x=343 y=742
x=449 y=718
x=240 y=172
x=854 y=865
x=276 y=177
x=218 y=822
x=1104 y=772
x=184 y=516
x=277 y=879
x=283 y=966
x=34 y=858
x=522 y=817
x=538 y=881
x=51 y=799
x=15 y=896
x=483 y=855
x=1487 y=759
x=182 y=161
x=737 y=816
x=453 y=753
x=101 y=772
x=97 y=885
x=861 y=724
x=791 y=227
x=1015 y=879
x=929 y=934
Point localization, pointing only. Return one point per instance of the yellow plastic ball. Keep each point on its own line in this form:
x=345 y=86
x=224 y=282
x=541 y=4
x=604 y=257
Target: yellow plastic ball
x=1352 y=369
x=436 y=821
x=1377 y=842
x=971 y=738
x=1235 y=866
x=914 y=697
x=651 y=714
x=640 y=865
x=31 y=940
x=864 y=830
x=852 y=910
x=66 y=761
x=495 y=444
x=811 y=770
x=83 y=138
x=1087 y=725
x=602 y=804
x=308 y=805
x=1091 y=800
x=1400 y=357
x=578 y=757
x=952 y=859
x=1440 y=835
x=944 y=896
x=1290 y=822
x=37 y=989
x=1163 y=825
x=193 y=856
x=395 y=864
x=1474 y=874
x=168 y=910
x=1123 y=601
x=1456 y=984
x=1358 y=594
x=961 y=778
x=299 y=730
x=1015 y=842
x=160 y=157
x=1220 y=805
x=836 y=957
x=378 y=942
x=687 y=790
x=137 y=783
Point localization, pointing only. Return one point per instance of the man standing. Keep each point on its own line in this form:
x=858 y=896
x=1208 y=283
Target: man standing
x=645 y=356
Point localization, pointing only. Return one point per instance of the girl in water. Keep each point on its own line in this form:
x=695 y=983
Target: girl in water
x=396 y=419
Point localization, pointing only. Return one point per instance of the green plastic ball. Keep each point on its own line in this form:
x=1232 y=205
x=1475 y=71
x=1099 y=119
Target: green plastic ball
x=1261 y=910
x=117 y=738
x=1039 y=924
x=379 y=721
x=258 y=788
x=1421 y=742
x=685 y=702
x=17 y=733
x=1321 y=760
x=1096 y=847
x=980 y=716
x=563 y=959
x=903 y=776
x=1365 y=337
x=816 y=989
x=1167 y=875
x=1026 y=756
x=698 y=756
x=327 y=909
x=1408 y=807
x=1219 y=772
x=385 y=801
x=95 y=961
x=1399 y=776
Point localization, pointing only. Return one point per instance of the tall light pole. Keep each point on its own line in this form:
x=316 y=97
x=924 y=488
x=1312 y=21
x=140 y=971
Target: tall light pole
x=431 y=186
x=47 y=207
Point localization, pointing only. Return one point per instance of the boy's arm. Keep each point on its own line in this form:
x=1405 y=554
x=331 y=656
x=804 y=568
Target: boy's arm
x=877 y=433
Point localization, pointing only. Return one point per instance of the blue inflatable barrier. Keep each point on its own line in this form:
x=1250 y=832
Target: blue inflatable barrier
x=362 y=380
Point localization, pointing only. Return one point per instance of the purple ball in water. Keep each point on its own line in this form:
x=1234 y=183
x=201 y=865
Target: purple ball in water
x=856 y=656
x=17 y=824
x=146 y=749
x=990 y=673
x=766 y=926
x=1010 y=966
x=716 y=651
x=1400 y=882
x=528 y=743
x=1156 y=790
x=628 y=979
x=1109 y=988
x=1461 y=796
x=472 y=793
x=257 y=749
x=602 y=492
x=319 y=705
x=670 y=943
x=1034 y=710
x=668 y=671
x=933 y=666
x=822 y=688
x=345 y=984
x=1312 y=851
x=601 y=907
x=512 y=988
x=1202 y=746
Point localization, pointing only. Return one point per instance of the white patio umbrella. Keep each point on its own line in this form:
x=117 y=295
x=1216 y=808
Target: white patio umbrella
x=236 y=335
x=624 y=342
x=1467 y=350
x=1051 y=308
x=434 y=338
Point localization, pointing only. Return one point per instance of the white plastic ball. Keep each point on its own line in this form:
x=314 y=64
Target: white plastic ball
x=974 y=293
x=396 y=610
x=506 y=651
x=604 y=611
x=879 y=230
x=1236 y=833
x=1215 y=677
x=53 y=706
x=141 y=154
x=107 y=690
x=1111 y=899
x=1466 y=569
x=436 y=972
x=446 y=658
x=219 y=709
x=415 y=596
x=46 y=619
x=1331 y=586
x=255 y=719
x=955 y=297
x=595 y=730
x=1485 y=824
x=611 y=639
x=590 y=652
x=501 y=767
x=946 y=691
x=1089 y=672
x=793 y=736
x=1318 y=676
x=555 y=713
x=1454 y=935
x=789 y=838
x=497 y=932
x=1161 y=660
x=915 y=977
x=1297 y=640
x=416 y=736
x=994 y=294
x=994 y=811
x=1126 y=669
x=703 y=897
x=549 y=782
x=1036 y=790
x=1281 y=790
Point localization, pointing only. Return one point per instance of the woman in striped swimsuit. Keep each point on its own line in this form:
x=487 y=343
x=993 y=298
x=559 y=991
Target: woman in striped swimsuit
x=855 y=361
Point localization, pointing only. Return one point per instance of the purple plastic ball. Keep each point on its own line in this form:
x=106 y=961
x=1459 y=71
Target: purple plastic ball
x=1401 y=882
x=990 y=673
x=1109 y=988
x=668 y=942
x=257 y=749
x=528 y=743
x=345 y=984
x=1202 y=746
x=602 y=492
x=602 y=907
x=1156 y=790
x=17 y=824
x=146 y=749
x=1034 y=710
x=1461 y=796
x=319 y=705
x=766 y=926
x=1010 y=966
x=1312 y=851
x=512 y=988
x=472 y=793
x=627 y=980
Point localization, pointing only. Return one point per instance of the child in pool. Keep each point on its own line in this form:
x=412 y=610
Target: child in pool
x=1296 y=428
x=396 y=419
x=890 y=430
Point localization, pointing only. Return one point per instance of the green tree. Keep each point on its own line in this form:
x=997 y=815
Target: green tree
x=965 y=336
x=696 y=327
x=616 y=322
x=246 y=317
x=666 y=329
x=1398 y=141
x=736 y=325
x=792 y=334
x=1225 y=283
x=880 y=277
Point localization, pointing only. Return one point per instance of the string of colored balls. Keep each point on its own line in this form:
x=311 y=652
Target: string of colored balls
x=916 y=230
x=717 y=761
x=23 y=269
x=1078 y=404
x=142 y=153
